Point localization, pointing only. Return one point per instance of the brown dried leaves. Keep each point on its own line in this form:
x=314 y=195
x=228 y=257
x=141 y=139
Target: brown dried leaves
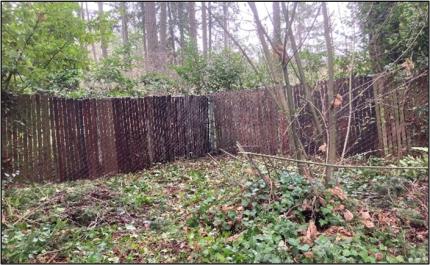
x=338 y=192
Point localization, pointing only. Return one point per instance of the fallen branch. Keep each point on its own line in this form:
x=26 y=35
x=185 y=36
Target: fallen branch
x=266 y=179
x=329 y=165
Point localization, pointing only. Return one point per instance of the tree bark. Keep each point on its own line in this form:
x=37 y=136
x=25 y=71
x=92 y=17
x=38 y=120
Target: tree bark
x=124 y=23
x=210 y=27
x=172 y=31
x=151 y=36
x=81 y=11
x=103 y=39
x=204 y=30
x=307 y=91
x=294 y=141
x=180 y=6
x=192 y=23
x=261 y=33
x=276 y=23
x=331 y=157
x=225 y=20
x=145 y=45
x=163 y=26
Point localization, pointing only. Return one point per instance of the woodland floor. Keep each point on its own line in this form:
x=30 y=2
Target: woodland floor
x=210 y=210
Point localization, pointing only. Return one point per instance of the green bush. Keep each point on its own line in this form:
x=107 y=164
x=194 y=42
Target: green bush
x=221 y=71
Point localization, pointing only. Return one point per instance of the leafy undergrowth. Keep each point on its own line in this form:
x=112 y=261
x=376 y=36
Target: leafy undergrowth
x=207 y=211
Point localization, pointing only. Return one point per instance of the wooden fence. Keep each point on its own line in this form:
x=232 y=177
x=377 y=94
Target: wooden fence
x=253 y=119
x=49 y=138
x=57 y=139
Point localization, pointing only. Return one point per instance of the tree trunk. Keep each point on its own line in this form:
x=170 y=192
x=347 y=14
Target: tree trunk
x=163 y=26
x=163 y=49
x=93 y=46
x=260 y=33
x=151 y=36
x=225 y=19
x=210 y=26
x=145 y=45
x=103 y=39
x=295 y=144
x=331 y=157
x=81 y=11
x=307 y=90
x=180 y=6
x=124 y=23
x=172 y=32
x=193 y=23
x=276 y=23
x=204 y=30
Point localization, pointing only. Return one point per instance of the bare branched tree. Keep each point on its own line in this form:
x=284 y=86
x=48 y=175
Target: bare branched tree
x=331 y=151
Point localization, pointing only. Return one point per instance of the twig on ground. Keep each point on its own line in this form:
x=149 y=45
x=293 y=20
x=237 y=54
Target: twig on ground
x=225 y=152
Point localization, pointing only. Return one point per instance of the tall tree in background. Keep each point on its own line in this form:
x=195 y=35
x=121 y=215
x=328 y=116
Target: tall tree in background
x=172 y=36
x=276 y=23
x=124 y=23
x=163 y=47
x=181 y=23
x=225 y=19
x=144 y=38
x=331 y=123
x=204 y=30
x=163 y=26
x=261 y=36
x=103 y=41
x=192 y=23
x=151 y=36
x=209 y=26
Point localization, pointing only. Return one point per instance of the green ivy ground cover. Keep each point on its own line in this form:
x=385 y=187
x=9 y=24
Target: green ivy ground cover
x=207 y=211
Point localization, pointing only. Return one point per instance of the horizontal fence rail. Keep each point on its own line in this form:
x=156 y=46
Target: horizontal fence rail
x=55 y=139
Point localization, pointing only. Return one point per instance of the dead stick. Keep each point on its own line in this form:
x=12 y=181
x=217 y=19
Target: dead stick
x=330 y=165
x=265 y=178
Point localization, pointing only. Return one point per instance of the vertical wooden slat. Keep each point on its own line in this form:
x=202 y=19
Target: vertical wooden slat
x=86 y=110
x=26 y=158
x=45 y=138
x=77 y=140
x=57 y=111
x=113 y=161
x=126 y=130
x=53 y=139
x=33 y=138
x=95 y=137
x=38 y=138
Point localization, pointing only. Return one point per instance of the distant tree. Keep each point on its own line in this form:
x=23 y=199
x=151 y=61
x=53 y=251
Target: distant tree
x=151 y=35
x=192 y=23
x=276 y=23
x=103 y=41
x=124 y=23
x=204 y=29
